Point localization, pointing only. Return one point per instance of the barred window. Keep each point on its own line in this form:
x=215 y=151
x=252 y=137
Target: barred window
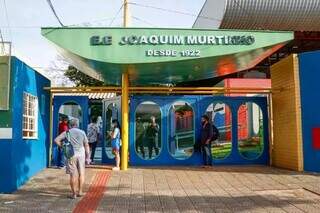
x=30 y=116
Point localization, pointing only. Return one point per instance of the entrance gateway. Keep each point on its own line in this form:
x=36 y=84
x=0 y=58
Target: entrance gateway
x=242 y=124
x=146 y=64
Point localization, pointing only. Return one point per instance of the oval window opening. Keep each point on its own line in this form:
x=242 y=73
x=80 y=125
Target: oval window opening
x=181 y=130
x=68 y=111
x=250 y=131
x=148 y=130
x=220 y=116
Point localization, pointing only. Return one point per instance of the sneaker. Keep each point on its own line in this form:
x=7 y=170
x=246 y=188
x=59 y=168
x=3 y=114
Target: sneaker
x=115 y=169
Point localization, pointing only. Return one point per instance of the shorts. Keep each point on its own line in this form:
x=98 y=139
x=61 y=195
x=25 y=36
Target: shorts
x=115 y=150
x=115 y=143
x=76 y=166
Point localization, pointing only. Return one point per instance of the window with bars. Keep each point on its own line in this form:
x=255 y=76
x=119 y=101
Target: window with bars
x=30 y=116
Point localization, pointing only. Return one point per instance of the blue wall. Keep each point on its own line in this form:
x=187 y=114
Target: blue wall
x=21 y=159
x=309 y=66
x=6 y=170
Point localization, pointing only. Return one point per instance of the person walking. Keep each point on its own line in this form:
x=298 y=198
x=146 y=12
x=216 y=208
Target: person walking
x=115 y=135
x=206 y=134
x=63 y=126
x=75 y=166
x=93 y=137
x=152 y=132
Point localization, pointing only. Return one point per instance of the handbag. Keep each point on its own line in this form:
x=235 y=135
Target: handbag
x=67 y=147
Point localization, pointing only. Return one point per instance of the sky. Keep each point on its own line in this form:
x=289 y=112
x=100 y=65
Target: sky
x=21 y=20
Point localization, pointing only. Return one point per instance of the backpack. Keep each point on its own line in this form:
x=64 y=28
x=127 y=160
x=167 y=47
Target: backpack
x=67 y=147
x=215 y=133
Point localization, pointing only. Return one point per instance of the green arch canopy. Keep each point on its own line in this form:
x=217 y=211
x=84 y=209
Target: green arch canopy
x=163 y=56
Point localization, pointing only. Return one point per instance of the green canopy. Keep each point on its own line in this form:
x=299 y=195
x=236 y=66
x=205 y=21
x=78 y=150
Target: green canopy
x=163 y=56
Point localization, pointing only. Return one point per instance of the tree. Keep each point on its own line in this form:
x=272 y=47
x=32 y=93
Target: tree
x=55 y=72
x=81 y=79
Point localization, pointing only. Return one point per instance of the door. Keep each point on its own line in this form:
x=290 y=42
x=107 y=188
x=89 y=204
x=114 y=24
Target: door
x=111 y=111
x=64 y=109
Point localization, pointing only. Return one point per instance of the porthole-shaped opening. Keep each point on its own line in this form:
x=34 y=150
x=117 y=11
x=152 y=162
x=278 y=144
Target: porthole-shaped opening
x=250 y=131
x=181 y=130
x=112 y=113
x=220 y=116
x=148 y=141
x=68 y=111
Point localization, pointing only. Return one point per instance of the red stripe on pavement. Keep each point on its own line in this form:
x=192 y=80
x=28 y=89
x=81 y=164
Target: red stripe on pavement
x=91 y=200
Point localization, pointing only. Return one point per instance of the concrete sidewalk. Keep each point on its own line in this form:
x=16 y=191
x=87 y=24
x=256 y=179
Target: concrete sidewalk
x=183 y=189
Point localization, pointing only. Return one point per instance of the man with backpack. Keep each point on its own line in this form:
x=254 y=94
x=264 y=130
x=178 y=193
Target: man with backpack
x=76 y=150
x=208 y=134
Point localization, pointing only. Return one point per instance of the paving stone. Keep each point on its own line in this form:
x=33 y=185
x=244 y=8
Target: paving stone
x=183 y=189
x=46 y=192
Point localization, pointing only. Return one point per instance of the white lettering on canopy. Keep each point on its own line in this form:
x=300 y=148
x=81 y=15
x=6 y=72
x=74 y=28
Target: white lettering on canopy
x=187 y=40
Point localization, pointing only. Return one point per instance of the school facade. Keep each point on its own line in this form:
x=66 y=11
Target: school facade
x=286 y=136
x=168 y=74
x=157 y=57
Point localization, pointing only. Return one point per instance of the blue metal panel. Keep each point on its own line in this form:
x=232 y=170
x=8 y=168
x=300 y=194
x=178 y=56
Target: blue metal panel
x=58 y=101
x=200 y=104
x=164 y=158
x=310 y=104
x=234 y=103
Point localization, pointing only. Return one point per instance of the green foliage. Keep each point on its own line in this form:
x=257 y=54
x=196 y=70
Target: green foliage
x=81 y=79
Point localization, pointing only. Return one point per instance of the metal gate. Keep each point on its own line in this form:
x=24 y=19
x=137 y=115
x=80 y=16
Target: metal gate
x=242 y=124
